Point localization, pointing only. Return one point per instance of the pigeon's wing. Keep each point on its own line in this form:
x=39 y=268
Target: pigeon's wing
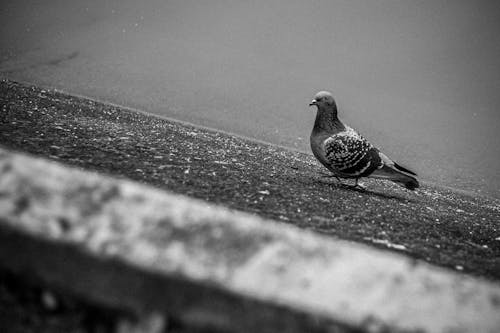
x=351 y=155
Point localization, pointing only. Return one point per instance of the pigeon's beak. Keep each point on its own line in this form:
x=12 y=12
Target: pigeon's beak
x=313 y=102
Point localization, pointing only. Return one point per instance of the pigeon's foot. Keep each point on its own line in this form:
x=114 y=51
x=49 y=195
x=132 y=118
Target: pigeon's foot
x=361 y=187
x=358 y=185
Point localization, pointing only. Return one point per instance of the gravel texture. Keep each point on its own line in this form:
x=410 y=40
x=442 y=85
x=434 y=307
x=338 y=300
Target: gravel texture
x=442 y=226
x=439 y=225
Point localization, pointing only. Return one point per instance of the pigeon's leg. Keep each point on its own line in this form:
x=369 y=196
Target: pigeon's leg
x=327 y=175
x=330 y=175
x=339 y=180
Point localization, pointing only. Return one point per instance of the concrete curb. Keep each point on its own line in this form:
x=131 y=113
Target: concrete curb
x=136 y=248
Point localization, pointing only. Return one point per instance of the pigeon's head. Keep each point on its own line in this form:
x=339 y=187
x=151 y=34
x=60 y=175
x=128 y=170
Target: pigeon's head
x=323 y=99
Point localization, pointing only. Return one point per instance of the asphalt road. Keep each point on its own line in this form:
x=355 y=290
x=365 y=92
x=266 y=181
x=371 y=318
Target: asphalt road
x=418 y=79
x=439 y=225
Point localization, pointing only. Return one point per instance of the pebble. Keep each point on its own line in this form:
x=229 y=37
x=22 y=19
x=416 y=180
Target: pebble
x=49 y=301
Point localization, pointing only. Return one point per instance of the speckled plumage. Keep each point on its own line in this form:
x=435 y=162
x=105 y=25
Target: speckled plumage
x=346 y=153
x=350 y=155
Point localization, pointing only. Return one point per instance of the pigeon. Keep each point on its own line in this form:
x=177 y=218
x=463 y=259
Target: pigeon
x=346 y=154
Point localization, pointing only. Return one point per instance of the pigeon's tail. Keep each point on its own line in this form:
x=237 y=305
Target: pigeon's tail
x=397 y=176
x=405 y=170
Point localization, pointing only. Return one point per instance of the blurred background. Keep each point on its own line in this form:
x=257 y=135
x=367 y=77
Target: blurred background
x=420 y=79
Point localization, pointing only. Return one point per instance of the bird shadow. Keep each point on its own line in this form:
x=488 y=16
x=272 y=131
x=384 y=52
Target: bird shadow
x=353 y=188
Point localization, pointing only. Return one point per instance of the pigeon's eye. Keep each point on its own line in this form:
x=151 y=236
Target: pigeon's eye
x=318 y=99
